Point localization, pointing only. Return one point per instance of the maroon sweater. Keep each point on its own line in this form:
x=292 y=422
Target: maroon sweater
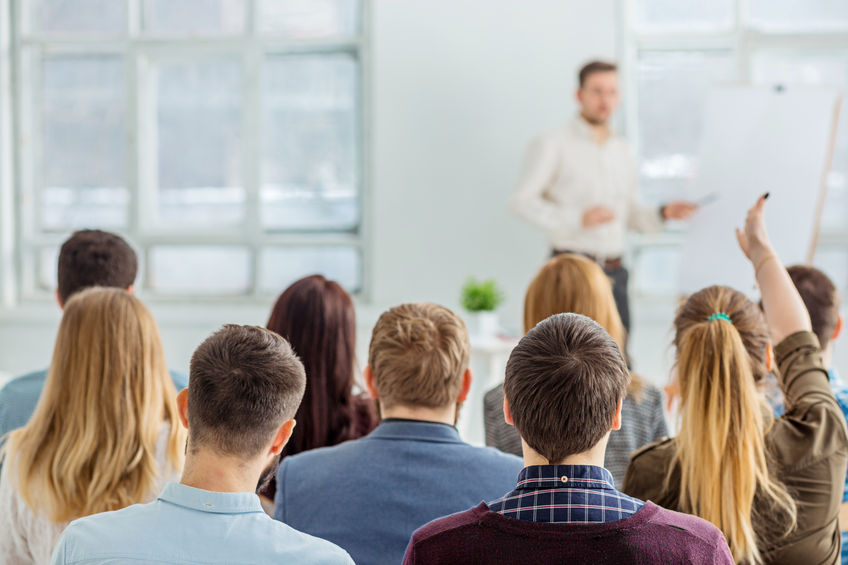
x=652 y=535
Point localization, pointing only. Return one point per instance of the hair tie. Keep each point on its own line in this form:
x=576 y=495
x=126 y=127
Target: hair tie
x=719 y=316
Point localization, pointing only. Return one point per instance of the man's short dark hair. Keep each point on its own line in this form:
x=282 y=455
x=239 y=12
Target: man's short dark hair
x=821 y=298
x=95 y=258
x=593 y=67
x=563 y=383
x=244 y=383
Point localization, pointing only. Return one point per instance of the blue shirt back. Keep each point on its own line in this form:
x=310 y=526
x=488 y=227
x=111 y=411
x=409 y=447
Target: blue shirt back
x=369 y=495
x=189 y=525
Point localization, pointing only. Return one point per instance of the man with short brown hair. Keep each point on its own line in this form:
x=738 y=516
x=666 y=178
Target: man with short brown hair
x=565 y=381
x=370 y=494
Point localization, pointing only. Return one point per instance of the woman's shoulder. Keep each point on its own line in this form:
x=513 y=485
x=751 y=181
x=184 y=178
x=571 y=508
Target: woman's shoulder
x=659 y=452
x=647 y=469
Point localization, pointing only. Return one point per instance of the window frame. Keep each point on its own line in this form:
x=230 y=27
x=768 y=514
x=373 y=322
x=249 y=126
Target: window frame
x=139 y=50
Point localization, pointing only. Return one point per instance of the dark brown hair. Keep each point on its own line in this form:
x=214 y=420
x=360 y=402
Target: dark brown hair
x=593 y=67
x=317 y=318
x=244 y=382
x=820 y=297
x=95 y=258
x=563 y=383
x=418 y=354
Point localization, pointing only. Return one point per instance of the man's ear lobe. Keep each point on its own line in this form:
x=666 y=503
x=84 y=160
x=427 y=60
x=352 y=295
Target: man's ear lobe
x=182 y=406
x=506 y=412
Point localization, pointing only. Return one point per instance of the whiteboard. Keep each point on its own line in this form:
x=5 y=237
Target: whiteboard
x=758 y=139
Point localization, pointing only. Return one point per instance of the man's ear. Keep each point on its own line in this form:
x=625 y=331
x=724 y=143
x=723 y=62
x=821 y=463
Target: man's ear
x=838 y=329
x=368 y=374
x=578 y=95
x=616 y=420
x=182 y=406
x=59 y=300
x=507 y=413
x=769 y=358
x=131 y=289
x=282 y=437
x=466 y=386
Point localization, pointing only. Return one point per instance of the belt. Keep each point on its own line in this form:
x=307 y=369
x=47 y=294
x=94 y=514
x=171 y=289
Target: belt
x=610 y=264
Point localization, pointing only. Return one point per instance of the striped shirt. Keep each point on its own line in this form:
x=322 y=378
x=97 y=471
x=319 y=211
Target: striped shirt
x=573 y=494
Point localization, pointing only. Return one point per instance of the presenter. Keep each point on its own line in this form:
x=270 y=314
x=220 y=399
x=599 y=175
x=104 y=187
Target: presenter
x=579 y=184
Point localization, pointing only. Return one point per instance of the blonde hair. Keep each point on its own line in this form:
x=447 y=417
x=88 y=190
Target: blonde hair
x=722 y=455
x=573 y=283
x=90 y=445
x=418 y=354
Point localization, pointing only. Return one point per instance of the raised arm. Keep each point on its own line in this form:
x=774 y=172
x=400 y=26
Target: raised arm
x=785 y=311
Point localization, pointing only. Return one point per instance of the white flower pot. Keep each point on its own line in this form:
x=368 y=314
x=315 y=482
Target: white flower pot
x=483 y=325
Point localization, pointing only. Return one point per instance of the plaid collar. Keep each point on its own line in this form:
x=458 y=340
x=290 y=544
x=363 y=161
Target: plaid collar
x=565 y=476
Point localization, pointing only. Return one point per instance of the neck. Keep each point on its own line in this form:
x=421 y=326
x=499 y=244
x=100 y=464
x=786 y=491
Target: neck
x=444 y=415
x=827 y=355
x=600 y=130
x=210 y=471
x=594 y=456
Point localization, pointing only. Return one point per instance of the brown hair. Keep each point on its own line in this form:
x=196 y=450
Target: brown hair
x=593 y=67
x=244 y=382
x=821 y=299
x=418 y=354
x=317 y=318
x=573 y=283
x=721 y=451
x=95 y=258
x=563 y=383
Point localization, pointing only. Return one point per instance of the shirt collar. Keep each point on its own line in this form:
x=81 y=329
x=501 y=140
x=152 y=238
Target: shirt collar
x=209 y=501
x=397 y=428
x=582 y=128
x=565 y=476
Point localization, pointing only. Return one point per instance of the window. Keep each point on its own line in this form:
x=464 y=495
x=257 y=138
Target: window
x=675 y=49
x=223 y=138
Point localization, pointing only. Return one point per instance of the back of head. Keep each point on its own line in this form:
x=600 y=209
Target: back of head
x=418 y=355
x=244 y=383
x=90 y=445
x=563 y=383
x=95 y=258
x=317 y=318
x=821 y=299
x=721 y=342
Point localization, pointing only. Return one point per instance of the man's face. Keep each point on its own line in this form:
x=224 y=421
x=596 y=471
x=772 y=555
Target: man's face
x=598 y=97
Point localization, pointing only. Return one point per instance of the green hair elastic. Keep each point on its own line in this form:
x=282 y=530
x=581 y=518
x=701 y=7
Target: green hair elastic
x=719 y=316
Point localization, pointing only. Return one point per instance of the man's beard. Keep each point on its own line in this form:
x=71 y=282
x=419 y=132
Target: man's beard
x=593 y=121
x=268 y=473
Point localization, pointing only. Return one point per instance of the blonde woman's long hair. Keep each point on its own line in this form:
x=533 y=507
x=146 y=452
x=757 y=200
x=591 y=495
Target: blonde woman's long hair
x=573 y=283
x=722 y=455
x=90 y=446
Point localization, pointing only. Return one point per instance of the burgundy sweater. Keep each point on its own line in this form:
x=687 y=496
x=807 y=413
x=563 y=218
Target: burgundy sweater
x=652 y=535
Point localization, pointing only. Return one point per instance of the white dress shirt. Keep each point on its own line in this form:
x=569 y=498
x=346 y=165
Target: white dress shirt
x=566 y=172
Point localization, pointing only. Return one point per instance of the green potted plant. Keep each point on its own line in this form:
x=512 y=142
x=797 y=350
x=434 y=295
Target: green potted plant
x=480 y=299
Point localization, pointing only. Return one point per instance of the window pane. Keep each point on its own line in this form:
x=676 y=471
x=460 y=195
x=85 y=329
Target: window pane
x=205 y=17
x=200 y=155
x=199 y=270
x=281 y=266
x=797 y=15
x=310 y=167
x=48 y=257
x=656 y=271
x=672 y=92
x=309 y=18
x=825 y=68
x=80 y=16
x=683 y=15
x=82 y=165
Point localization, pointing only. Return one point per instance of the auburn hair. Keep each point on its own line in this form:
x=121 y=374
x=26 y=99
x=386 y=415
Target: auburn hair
x=573 y=283
x=90 y=446
x=721 y=449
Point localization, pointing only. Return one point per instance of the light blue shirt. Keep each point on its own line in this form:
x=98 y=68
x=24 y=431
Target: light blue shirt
x=189 y=525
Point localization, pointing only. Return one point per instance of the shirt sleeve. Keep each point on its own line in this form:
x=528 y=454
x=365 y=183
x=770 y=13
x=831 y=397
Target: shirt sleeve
x=641 y=218
x=529 y=201
x=59 y=554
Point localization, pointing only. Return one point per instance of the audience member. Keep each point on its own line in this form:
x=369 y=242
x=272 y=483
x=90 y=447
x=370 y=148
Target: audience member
x=370 y=494
x=772 y=486
x=573 y=283
x=565 y=385
x=245 y=387
x=104 y=434
x=317 y=318
x=88 y=258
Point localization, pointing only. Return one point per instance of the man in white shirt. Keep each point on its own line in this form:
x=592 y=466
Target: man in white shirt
x=579 y=184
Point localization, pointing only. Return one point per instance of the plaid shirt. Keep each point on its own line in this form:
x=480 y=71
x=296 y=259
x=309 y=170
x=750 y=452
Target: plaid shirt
x=575 y=494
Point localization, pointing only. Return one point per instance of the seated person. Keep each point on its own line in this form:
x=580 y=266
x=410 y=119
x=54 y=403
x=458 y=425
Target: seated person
x=245 y=386
x=88 y=258
x=104 y=434
x=565 y=382
x=772 y=486
x=573 y=283
x=369 y=495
